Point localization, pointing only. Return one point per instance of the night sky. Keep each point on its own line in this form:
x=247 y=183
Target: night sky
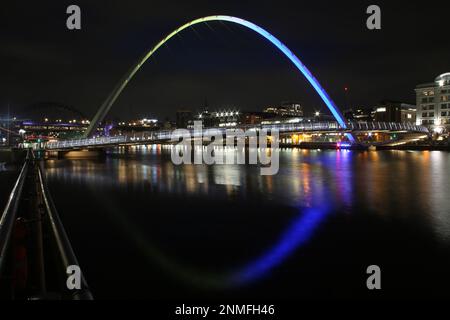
x=223 y=64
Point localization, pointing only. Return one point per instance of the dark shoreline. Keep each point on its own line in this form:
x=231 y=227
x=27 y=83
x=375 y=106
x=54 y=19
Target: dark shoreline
x=12 y=155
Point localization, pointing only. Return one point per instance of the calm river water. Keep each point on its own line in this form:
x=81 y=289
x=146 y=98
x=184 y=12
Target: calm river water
x=145 y=228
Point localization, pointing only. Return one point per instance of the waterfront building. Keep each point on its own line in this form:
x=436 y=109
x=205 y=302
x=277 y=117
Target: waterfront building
x=133 y=126
x=360 y=114
x=183 y=118
x=433 y=103
x=289 y=109
x=220 y=118
x=395 y=111
x=252 y=118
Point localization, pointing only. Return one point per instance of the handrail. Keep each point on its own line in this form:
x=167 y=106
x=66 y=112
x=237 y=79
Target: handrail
x=8 y=217
x=282 y=127
x=62 y=241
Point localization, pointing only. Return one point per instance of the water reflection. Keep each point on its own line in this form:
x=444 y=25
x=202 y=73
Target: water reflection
x=410 y=187
x=388 y=183
x=298 y=184
x=299 y=232
x=395 y=182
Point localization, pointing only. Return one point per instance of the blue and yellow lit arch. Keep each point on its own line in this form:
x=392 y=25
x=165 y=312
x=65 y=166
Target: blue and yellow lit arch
x=106 y=106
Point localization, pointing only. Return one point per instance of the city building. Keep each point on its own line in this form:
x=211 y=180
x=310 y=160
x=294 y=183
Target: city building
x=183 y=118
x=433 y=103
x=144 y=123
x=255 y=118
x=290 y=109
x=133 y=126
x=318 y=116
x=59 y=128
x=220 y=118
x=360 y=114
x=395 y=111
x=9 y=131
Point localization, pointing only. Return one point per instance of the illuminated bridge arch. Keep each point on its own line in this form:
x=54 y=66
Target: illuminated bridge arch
x=106 y=106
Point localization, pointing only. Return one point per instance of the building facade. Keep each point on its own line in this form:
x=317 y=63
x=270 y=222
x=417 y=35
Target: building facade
x=395 y=111
x=220 y=118
x=360 y=114
x=433 y=103
x=183 y=117
x=289 y=109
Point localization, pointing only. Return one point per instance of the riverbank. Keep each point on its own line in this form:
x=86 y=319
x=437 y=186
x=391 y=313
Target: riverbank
x=415 y=148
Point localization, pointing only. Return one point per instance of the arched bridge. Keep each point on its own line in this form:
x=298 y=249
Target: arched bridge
x=341 y=125
x=106 y=106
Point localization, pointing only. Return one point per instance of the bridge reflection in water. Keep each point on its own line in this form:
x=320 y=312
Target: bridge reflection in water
x=224 y=226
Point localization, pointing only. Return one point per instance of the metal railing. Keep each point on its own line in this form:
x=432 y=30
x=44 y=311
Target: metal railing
x=63 y=245
x=351 y=126
x=282 y=127
x=65 y=144
x=8 y=217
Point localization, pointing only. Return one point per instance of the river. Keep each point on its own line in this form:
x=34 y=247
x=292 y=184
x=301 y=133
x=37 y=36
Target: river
x=143 y=227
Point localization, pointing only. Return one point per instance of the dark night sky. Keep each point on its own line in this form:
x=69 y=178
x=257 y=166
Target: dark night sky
x=227 y=65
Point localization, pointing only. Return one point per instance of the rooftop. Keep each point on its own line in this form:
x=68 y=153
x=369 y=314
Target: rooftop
x=441 y=80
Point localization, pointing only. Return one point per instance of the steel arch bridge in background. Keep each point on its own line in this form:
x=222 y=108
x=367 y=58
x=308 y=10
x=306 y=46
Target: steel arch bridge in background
x=51 y=106
x=107 y=104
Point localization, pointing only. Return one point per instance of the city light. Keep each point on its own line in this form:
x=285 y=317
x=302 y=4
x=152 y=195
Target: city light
x=438 y=129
